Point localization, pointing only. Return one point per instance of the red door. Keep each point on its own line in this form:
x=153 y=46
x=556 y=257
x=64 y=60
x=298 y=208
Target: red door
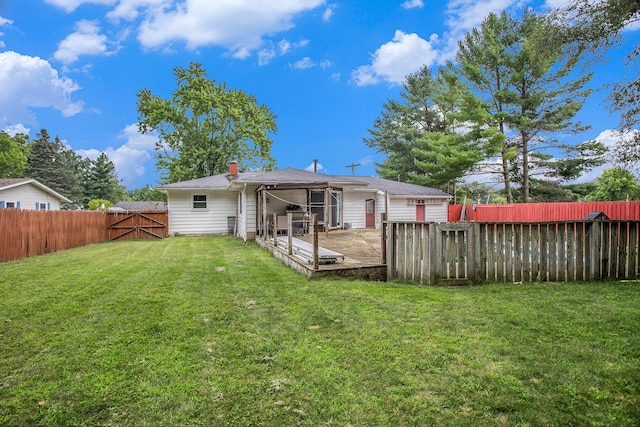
x=371 y=213
x=420 y=213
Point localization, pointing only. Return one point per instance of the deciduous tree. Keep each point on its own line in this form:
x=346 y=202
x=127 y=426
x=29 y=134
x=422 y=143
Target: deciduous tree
x=204 y=126
x=13 y=154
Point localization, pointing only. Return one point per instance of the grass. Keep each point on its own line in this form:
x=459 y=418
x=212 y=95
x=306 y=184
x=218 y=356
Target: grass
x=210 y=331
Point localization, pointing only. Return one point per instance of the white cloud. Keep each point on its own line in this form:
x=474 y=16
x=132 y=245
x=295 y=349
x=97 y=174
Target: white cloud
x=555 y=4
x=131 y=158
x=281 y=48
x=87 y=40
x=304 y=63
x=5 y=21
x=30 y=82
x=411 y=4
x=13 y=130
x=609 y=137
x=71 y=5
x=128 y=10
x=236 y=25
x=366 y=161
x=326 y=64
x=394 y=60
x=328 y=12
x=467 y=14
x=318 y=167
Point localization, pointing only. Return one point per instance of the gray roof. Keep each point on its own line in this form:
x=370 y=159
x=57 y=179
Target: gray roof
x=395 y=188
x=296 y=176
x=145 y=205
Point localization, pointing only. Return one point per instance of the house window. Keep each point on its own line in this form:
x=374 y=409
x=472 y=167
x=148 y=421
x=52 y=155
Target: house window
x=41 y=206
x=10 y=205
x=199 y=201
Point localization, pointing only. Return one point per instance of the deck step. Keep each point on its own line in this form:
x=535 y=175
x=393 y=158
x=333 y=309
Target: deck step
x=304 y=251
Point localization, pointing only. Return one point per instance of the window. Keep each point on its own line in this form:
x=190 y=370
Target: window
x=41 y=206
x=10 y=205
x=317 y=204
x=199 y=201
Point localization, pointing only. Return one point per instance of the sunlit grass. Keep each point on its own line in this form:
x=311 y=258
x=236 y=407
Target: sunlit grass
x=212 y=331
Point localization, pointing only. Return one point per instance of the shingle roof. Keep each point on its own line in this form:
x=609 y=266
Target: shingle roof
x=395 y=188
x=141 y=205
x=296 y=176
x=6 y=182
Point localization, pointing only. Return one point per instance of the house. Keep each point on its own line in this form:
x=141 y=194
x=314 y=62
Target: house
x=245 y=203
x=27 y=193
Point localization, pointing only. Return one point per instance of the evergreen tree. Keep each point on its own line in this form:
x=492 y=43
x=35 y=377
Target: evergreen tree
x=402 y=123
x=101 y=181
x=56 y=166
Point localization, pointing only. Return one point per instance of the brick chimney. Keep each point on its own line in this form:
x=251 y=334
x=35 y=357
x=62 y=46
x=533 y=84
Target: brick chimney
x=233 y=169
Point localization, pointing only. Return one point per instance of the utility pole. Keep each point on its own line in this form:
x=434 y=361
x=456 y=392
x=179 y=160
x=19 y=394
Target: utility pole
x=353 y=168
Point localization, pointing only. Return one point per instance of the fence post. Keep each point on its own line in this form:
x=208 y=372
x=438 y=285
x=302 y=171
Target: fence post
x=391 y=251
x=315 y=241
x=594 y=249
x=383 y=237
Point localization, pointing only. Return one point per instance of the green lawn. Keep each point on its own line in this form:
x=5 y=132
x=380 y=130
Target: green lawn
x=211 y=331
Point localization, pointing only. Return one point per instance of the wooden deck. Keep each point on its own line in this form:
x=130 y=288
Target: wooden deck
x=361 y=250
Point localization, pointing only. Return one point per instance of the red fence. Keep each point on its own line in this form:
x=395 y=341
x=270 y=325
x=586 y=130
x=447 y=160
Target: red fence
x=28 y=233
x=543 y=212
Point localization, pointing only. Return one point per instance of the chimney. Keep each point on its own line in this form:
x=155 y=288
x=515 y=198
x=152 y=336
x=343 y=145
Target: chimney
x=233 y=169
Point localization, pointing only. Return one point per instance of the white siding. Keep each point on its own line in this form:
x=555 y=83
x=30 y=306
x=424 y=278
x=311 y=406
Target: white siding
x=355 y=208
x=400 y=210
x=436 y=213
x=247 y=219
x=183 y=219
x=28 y=195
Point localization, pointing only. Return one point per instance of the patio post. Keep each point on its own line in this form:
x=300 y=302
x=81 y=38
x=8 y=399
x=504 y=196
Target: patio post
x=314 y=221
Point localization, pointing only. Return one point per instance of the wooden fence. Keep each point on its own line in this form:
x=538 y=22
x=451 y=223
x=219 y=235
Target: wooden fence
x=431 y=253
x=25 y=233
x=137 y=225
x=28 y=233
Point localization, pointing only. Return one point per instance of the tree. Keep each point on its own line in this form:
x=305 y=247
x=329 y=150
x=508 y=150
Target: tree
x=99 y=204
x=616 y=184
x=146 y=193
x=422 y=136
x=531 y=95
x=596 y=26
x=13 y=154
x=484 y=61
x=402 y=123
x=204 y=126
x=57 y=167
x=101 y=181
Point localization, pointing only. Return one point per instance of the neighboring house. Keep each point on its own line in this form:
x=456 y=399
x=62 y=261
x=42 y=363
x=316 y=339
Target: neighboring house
x=244 y=203
x=146 y=205
x=27 y=193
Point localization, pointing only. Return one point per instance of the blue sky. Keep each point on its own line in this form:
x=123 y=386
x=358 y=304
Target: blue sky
x=325 y=68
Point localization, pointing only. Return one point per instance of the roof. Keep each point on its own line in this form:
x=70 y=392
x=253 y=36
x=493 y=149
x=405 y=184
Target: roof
x=296 y=176
x=7 y=183
x=396 y=188
x=145 y=205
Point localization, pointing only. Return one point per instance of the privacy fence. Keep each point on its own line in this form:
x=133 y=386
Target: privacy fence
x=431 y=253
x=25 y=233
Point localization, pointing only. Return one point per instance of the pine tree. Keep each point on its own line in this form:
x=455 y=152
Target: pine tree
x=101 y=181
